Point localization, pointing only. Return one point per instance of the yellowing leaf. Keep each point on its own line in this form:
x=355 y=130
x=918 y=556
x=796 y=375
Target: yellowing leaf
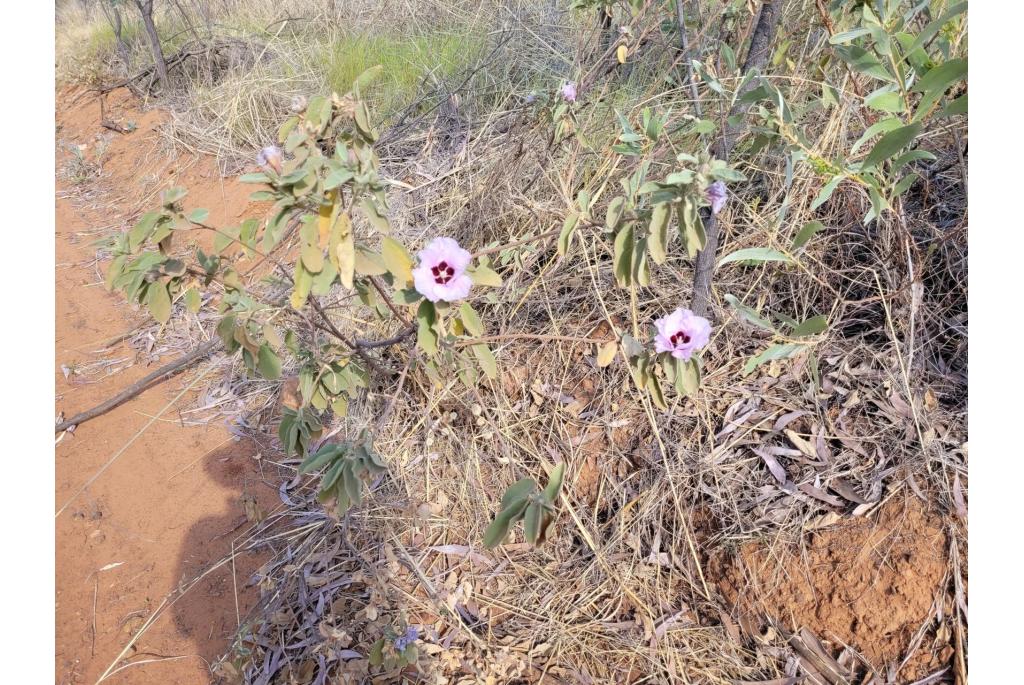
x=397 y=260
x=621 y=53
x=327 y=212
x=346 y=252
x=158 y=301
x=470 y=319
x=487 y=362
x=369 y=263
x=606 y=355
x=485 y=275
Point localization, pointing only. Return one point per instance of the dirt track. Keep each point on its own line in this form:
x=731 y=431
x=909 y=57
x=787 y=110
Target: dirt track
x=168 y=506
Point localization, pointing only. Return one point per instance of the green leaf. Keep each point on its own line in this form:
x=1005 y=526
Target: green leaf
x=426 y=336
x=809 y=230
x=568 y=229
x=269 y=363
x=908 y=157
x=498 y=529
x=680 y=178
x=372 y=213
x=487 y=361
x=826 y=192
x=198 y=216
x=172 y=195
x=159 y=301
x=531 y=523
x=812 y=326
x=657 y=241
x=755 y=254
x=254 y=178
x=657 y=395
x=470 y=319
x=332 y=475
x=376 y=654
x=883 y=126
x=847 y=36
x=749 y=313
x=941 y=77
x=958 y=106
x=142 y=230
x=704 y=126
x=518 y=492
x=486 y=276
x=886 y=99
x=554 y=485
x=192 y=300
x=687 y=380
x=614 y=213
x=583 y=200
x=364 y=79
x=777 y=351
x=623 y=256
x=691 y=226
x=890 y=144
x=863 y=61
x=321 y=457
x=303 y=284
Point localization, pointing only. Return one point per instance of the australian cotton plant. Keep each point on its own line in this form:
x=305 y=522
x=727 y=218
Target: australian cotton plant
x=329 y=211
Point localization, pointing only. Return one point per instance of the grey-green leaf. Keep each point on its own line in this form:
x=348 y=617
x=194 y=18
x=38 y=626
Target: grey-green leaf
x=555 y=483
x=518 y=491
x=269 y=363
x=808 y=231
x=749 y=313
x=755 y=254
x=890 y=144
x=812 y=326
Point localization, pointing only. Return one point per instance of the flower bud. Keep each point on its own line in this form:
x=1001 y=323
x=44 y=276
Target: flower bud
x=270 y=157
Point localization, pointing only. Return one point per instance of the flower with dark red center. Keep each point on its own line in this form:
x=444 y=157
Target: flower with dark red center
x=681 y=333
x=441 y=274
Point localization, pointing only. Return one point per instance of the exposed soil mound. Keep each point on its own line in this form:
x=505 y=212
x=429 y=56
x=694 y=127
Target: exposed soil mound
x=871 y=583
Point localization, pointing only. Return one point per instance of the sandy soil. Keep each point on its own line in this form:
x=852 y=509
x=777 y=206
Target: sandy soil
x=871 y=583
x=170 y=505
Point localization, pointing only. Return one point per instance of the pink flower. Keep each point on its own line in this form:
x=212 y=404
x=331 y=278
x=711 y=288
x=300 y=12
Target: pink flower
x=441 y=274
x=270 y=156
x=569 y=92
x=716 y=195
x=681 y=333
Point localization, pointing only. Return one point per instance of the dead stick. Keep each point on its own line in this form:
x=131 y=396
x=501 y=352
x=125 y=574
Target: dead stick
x=158 y=376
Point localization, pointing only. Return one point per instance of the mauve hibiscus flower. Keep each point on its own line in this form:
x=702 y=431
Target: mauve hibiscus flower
x=681 y=333
x=402 y=641
x=716 y=194
x=569 y=92
x=441 y=274
x=270 y=156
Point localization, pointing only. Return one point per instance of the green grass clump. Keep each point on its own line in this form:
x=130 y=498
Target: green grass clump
x=406 y=61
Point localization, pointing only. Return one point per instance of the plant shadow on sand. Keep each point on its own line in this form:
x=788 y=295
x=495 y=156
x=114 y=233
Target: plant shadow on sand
x=215 y=571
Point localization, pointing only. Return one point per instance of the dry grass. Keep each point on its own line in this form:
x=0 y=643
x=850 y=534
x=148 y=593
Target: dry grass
x=622 y=593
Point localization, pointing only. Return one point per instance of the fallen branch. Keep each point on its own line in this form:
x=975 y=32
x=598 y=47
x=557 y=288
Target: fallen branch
x=158 y=376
